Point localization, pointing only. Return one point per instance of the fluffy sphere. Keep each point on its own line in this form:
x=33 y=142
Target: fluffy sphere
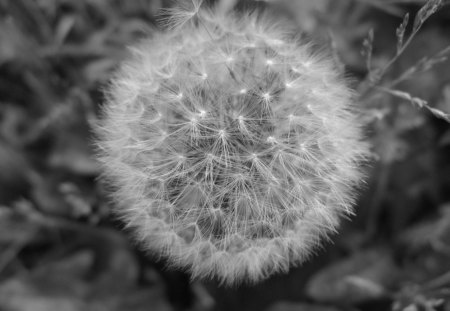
x=232 y=149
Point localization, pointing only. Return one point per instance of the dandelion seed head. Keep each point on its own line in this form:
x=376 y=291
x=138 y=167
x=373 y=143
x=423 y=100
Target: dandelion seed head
x=242 y=172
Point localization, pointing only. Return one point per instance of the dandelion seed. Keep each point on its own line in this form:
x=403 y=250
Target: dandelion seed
x=266 y=96
x=176 y=17
x=306 y=64
x=271 y=140
x=229 y=59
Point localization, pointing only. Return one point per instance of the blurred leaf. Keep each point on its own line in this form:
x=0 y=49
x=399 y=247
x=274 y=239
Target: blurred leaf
x=75 y=158
x=381 y=5
x=73 y=266
x=292 y=306
x=15 y=173
x=99 y=70
x=78 y=200
x=389 y=146
x=15 y=45
x=434 y=233
x=48 y=197
x=15 y=228
x=101 y=275
x=59 y=289
x=364 y=276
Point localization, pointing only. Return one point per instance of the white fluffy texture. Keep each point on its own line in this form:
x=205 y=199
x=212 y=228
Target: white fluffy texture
x=232 y=149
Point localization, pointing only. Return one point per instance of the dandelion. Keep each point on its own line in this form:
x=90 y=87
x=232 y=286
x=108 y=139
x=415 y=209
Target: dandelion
x=238 y=163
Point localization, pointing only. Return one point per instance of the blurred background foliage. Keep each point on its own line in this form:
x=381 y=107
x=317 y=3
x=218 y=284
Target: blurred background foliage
x=61 y=249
